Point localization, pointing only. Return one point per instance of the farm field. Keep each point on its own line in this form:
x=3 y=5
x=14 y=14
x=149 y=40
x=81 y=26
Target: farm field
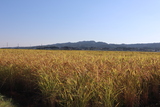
x=57 y=78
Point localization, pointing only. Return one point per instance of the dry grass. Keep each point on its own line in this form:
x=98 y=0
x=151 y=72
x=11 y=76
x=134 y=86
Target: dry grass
x=82 y=78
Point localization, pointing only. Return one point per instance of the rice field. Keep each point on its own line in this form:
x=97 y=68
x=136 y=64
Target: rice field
x=56 y=78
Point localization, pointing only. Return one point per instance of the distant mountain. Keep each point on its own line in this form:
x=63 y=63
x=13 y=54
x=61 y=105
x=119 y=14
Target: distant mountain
x=149 y=45
x=83 y=44
x=92 y=45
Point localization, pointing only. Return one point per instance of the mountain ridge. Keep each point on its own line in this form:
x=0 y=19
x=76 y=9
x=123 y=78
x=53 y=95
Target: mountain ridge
x=92 y=45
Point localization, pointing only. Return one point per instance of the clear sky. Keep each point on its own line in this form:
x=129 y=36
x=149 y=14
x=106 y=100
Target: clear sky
x=36 y=22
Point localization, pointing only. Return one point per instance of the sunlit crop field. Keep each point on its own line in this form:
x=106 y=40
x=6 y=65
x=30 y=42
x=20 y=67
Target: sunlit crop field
x=81 y=78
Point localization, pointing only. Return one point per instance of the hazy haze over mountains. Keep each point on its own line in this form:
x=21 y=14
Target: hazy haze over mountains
x=103 y=44
x=92 y=45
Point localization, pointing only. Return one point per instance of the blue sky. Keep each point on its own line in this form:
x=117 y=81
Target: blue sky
x=36 y=22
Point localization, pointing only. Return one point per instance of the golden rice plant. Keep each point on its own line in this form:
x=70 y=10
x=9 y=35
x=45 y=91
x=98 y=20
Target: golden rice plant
x=82 y=78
